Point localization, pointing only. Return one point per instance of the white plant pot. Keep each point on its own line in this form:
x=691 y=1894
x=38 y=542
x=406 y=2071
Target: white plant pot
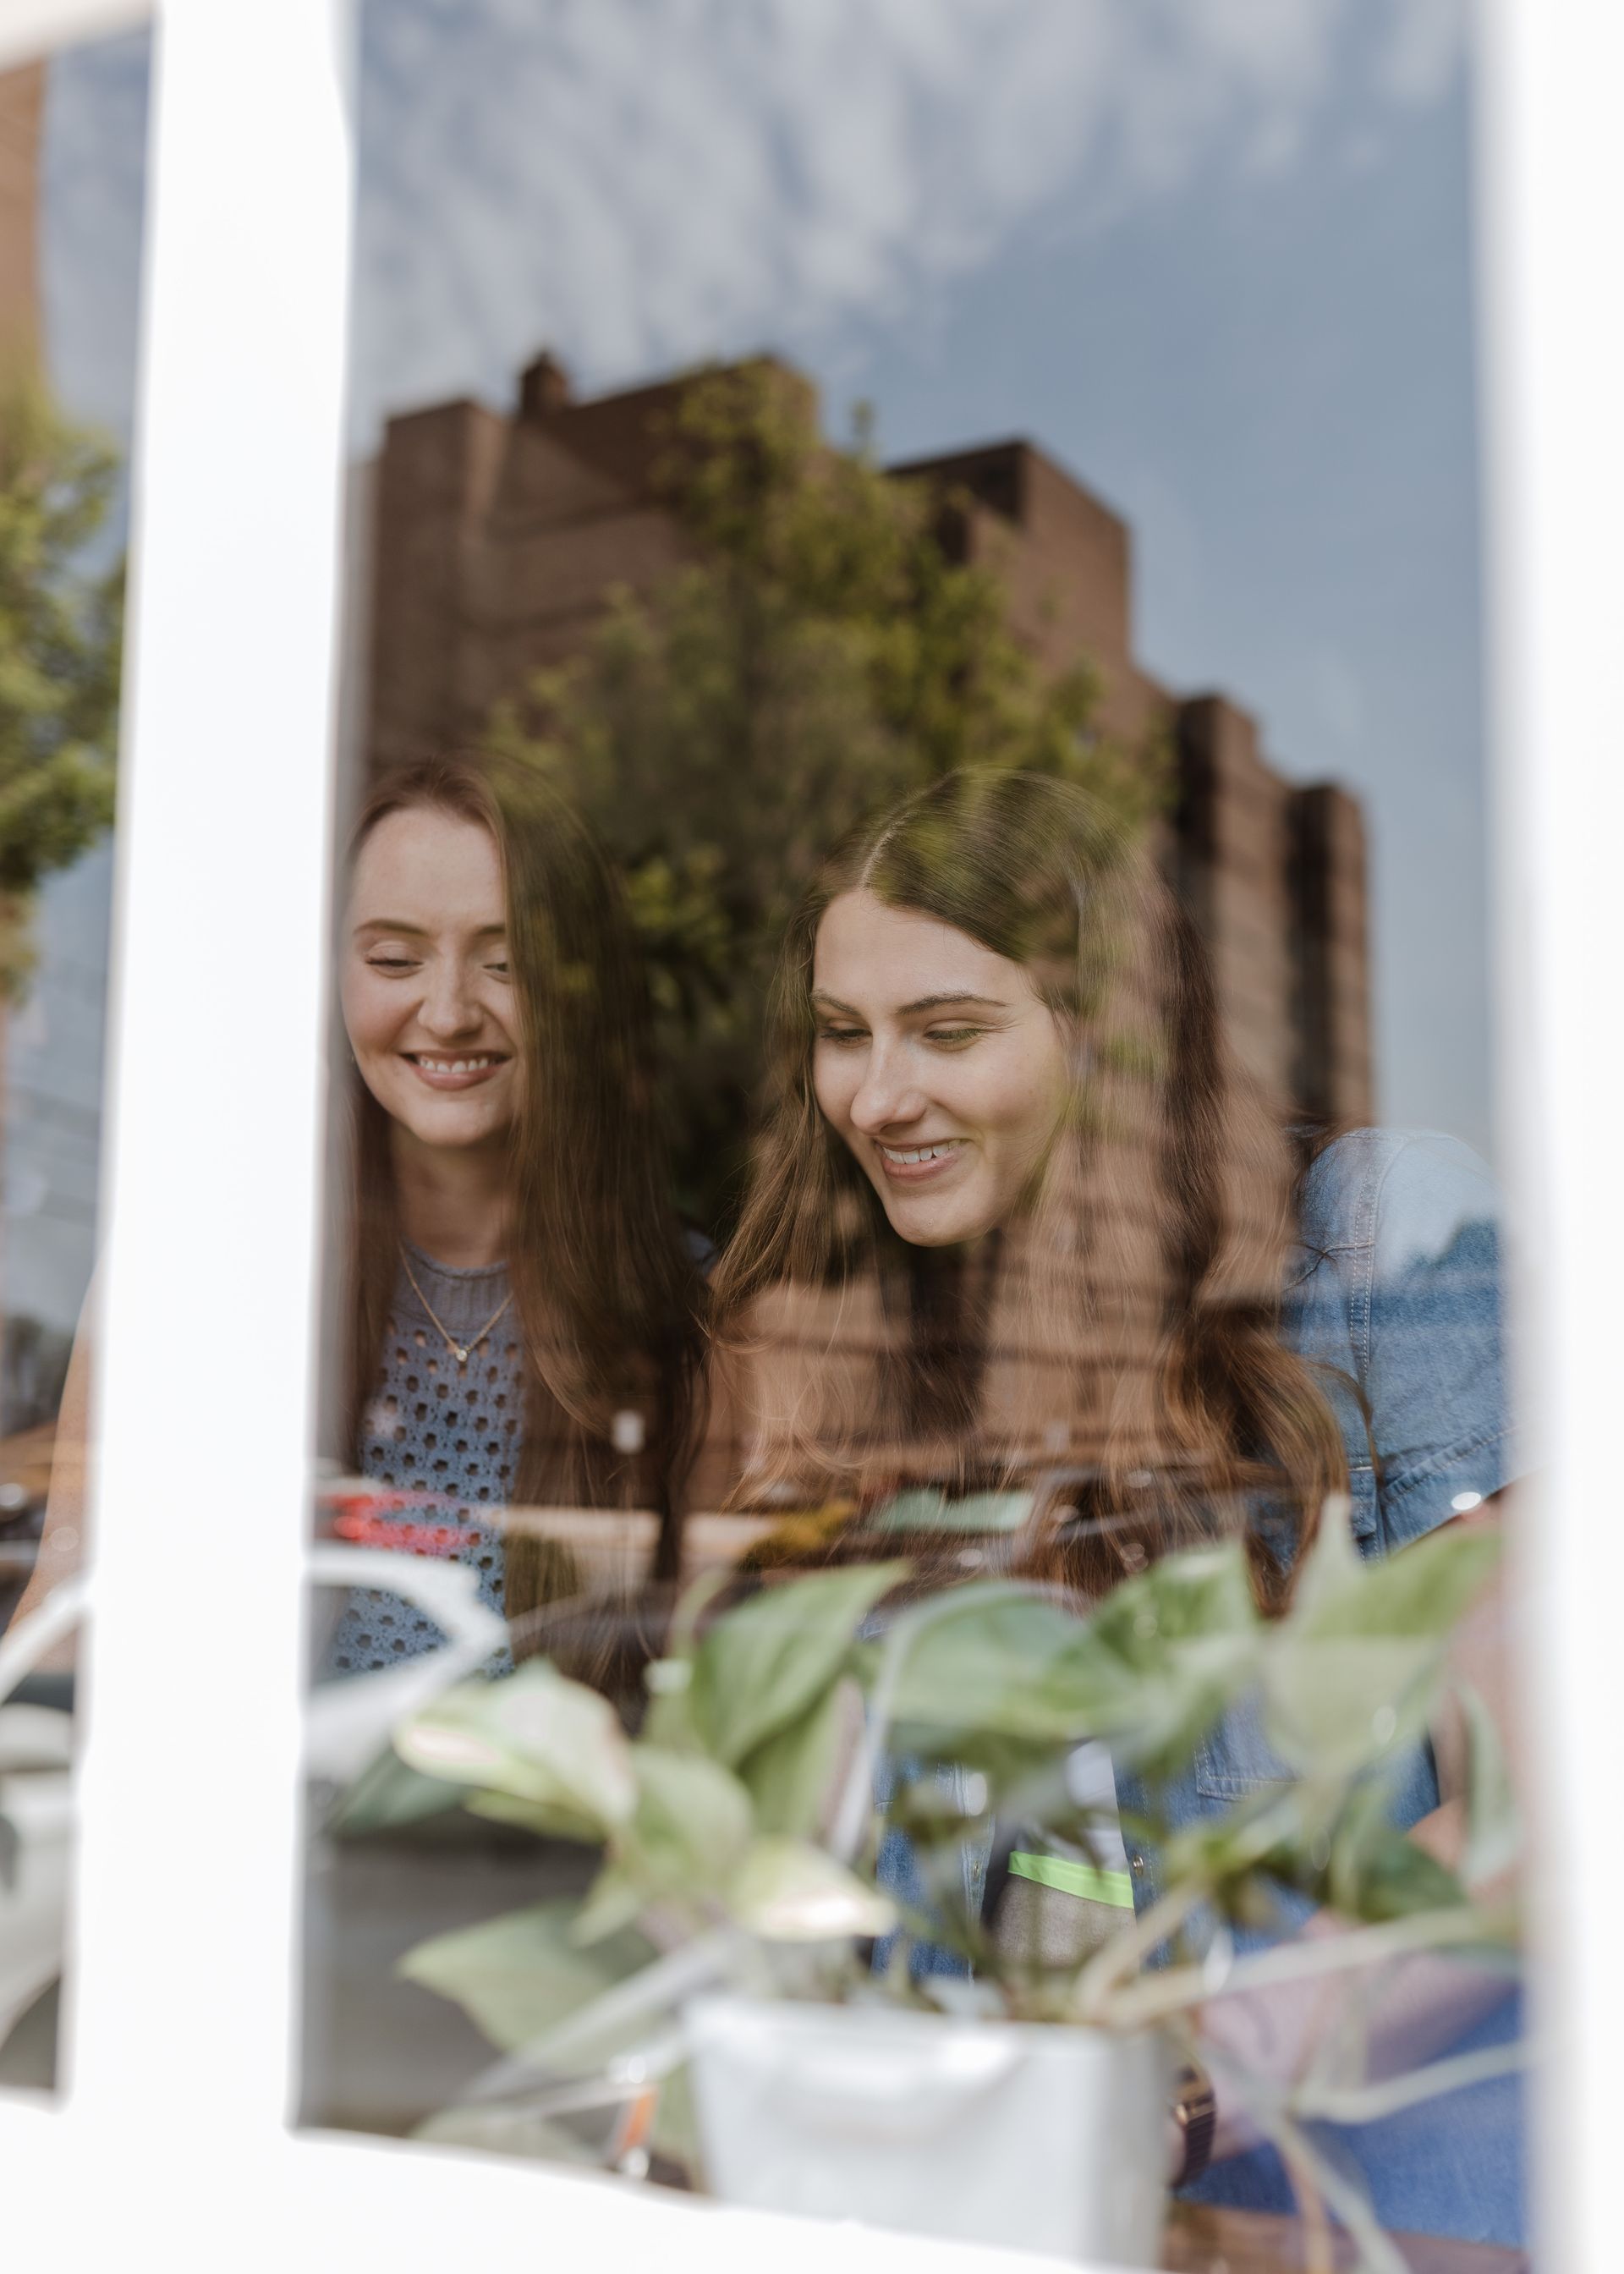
x=1038 y=2137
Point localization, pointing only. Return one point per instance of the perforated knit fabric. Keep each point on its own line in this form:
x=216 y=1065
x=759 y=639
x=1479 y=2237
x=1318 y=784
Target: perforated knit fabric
x=437 y=1426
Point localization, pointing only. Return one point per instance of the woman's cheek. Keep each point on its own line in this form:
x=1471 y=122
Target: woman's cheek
x=368 y=1017
x=827 y=1091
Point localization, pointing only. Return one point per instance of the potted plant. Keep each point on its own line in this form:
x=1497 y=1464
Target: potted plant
x=723 y=1965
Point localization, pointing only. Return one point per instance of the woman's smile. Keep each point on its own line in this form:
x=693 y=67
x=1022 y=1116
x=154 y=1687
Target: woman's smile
x=462 y=1072
x=918 y=1164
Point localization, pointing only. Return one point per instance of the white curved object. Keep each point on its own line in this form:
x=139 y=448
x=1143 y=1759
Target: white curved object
x=1034 y=2136
x=36 y=1801
x=348 y=1723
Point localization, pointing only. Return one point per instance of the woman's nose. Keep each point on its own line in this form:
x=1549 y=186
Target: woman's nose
x=885 y=1097
x=449 y=1007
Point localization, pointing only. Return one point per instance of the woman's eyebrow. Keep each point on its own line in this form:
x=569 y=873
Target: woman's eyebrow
x=912 y=1010
x=942 y=1001
x=419 y=931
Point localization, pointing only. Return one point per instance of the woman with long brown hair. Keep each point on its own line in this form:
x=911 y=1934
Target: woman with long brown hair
x=1052 y=1216
x=520 y=1306
x=1016 y=1216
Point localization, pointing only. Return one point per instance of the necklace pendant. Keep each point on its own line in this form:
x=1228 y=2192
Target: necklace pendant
x=461 y=1355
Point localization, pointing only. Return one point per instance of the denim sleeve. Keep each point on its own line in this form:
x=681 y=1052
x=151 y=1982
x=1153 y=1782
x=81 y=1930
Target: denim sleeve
x=1427 y=1330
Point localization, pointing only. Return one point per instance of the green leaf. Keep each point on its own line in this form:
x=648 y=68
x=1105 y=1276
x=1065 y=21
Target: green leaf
x=991 y=1658
x=1419 y=1594
x=1200 y=1597
x=1351 y=1673
x=761 y=1665
x=789 y=1891
x=690 y=1827
x=1493 y=1831
x=546 y=1819
x=1376 y=1873
x=1333 y=1565
x=1336 y=1705
x=1352 y=1676
x=1000 y=1668
x=789 y=1776
x=534 y=1736
x=520 y=1975
x=387 y=1795
x=1169 y=1651
x=920 y=1511
x=668 y=1721
x=614 y=1901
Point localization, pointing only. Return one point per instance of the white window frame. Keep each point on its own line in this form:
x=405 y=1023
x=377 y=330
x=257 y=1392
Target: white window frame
x=173 y=2138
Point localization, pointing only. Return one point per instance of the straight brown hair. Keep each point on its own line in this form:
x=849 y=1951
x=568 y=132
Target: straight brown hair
x=1142 y=1283
x=607 y=1295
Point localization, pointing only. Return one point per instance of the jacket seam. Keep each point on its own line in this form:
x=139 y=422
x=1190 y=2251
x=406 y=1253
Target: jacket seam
x=1437 y=1462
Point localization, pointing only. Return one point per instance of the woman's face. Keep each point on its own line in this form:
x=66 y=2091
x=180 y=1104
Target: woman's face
x=427 y=997
x=937 y=1063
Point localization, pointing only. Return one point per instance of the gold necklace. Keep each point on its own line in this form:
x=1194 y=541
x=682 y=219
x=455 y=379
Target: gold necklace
x=461 y=1352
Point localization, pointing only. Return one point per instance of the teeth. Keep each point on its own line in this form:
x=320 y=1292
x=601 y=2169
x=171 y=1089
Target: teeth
x=455 y=1066
x=920 y=1153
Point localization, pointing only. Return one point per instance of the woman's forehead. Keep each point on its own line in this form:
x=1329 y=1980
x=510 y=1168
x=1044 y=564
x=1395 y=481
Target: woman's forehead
x=870 y=953
x=432 y=869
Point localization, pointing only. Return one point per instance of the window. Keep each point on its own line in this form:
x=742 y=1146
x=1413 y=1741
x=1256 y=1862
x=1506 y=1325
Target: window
x=182 y=1972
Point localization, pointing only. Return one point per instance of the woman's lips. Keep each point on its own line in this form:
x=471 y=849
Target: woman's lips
x=466 y=1071
x=919 y=1164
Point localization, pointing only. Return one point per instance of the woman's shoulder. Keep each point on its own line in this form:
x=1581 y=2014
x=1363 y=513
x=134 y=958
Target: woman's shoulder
x=1404 y=1283
x=1399 y=1196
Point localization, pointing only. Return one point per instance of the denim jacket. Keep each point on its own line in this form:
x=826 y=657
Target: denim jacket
x=1395 y=1287
x=1393 y=1294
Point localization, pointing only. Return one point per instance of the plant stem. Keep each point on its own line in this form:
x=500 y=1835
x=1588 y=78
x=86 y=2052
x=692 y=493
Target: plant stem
x=1367 y=2104
x=1092 y=1992
x=1172 y=1989
x=1381 y=2255
x=857 y=1796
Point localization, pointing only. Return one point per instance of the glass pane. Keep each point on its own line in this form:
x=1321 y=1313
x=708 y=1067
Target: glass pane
x=914 y=1290
x=70 y=181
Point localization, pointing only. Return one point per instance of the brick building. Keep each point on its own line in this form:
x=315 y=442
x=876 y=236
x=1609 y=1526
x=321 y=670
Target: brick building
x=496 y=536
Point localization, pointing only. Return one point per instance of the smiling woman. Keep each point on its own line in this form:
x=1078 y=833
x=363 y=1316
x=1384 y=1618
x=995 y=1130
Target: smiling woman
x=1006 y=1146
x=523 y=1309
x=427 y=991
x=950 y=1100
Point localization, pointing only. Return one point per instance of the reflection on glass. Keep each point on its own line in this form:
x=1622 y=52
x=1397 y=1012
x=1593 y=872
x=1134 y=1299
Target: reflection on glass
x=62 y=510
x=904 y=1456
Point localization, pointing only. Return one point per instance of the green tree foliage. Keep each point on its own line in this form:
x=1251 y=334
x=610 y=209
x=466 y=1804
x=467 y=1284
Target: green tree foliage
x=61 y=632
x=822 y=652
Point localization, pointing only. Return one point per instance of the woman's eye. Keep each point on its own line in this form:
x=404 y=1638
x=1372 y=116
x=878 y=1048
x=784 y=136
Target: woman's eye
x=501 y=969
x=839 y=1033
x=391 y=963
x=952 y=1035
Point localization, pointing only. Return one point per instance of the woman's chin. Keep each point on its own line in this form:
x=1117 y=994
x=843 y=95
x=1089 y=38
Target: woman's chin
x=944 y=1224
x=456 y=1129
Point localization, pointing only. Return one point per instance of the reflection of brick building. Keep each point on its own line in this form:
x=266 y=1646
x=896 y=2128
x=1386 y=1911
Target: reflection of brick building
x=496 y=539
x=497 y=536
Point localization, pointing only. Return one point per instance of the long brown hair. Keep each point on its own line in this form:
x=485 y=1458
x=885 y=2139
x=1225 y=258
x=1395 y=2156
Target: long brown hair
x=1129 y=1319
x=605 y=1288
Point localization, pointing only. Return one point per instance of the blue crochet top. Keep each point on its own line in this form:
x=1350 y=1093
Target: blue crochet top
x=441 y=1426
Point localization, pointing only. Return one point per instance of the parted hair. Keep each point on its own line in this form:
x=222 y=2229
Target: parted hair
x=606 y=1294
